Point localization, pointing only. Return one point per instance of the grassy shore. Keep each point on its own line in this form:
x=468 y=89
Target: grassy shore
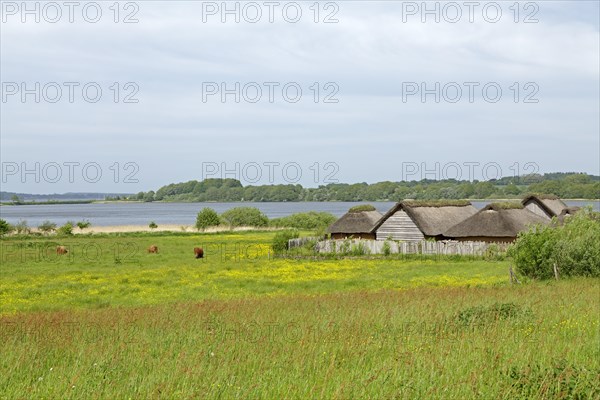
x=108 y=320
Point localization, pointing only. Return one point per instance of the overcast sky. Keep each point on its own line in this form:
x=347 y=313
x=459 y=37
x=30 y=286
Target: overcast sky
x=374 y=61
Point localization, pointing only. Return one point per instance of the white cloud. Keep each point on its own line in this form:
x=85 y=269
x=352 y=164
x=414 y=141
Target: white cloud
x=369 y=53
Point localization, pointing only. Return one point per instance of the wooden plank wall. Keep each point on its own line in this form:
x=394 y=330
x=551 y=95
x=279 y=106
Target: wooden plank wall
x=399 y=226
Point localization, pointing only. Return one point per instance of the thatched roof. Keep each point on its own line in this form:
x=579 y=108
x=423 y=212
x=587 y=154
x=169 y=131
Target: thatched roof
x=433 y=217
x=361 y=208
x=570 y=210
x=495 y=222
x=543 y=196
x=506 y=205
x=567 y=212
x=552 y=205
x=355 y=222
x=436 y=203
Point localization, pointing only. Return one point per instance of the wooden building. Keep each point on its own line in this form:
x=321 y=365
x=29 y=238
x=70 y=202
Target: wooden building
x=418 y=220
x=497 y=222
x=546 y=206
x=357 y=223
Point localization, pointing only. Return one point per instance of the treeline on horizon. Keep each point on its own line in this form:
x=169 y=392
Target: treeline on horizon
x=564 y=185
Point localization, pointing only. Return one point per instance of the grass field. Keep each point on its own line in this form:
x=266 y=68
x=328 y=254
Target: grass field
x=110 y=271
x=111 y=321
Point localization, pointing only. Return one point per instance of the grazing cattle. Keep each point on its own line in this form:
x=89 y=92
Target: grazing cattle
x=61 y=250
x=153 y=249
x=198 y=252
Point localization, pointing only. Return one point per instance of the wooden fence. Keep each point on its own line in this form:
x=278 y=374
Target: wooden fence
x=299 y=242
x=443 y=247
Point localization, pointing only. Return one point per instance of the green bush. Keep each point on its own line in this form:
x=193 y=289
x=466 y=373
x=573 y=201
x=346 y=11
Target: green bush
x=574 y=247
x=533 y=252
x=281 y=239
x=84 y=224
x=207 y=217
x=5 y=227
x=348 y=247
x=306 y=221
x=47 y=227
x=66 y=229
x=152 y=225
x=359 y=249
x=245 y=216
x=387 y=248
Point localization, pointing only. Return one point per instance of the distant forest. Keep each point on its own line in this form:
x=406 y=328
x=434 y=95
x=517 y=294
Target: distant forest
x=564 y=185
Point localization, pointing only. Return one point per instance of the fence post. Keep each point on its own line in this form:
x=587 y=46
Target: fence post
x=513 y=277
x=555 y=271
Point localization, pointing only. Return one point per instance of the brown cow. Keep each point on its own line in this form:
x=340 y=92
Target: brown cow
x=198 y=252
x=153 y=249
x=61 y=250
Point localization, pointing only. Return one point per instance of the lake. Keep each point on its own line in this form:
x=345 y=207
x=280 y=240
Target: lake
x=107 y=214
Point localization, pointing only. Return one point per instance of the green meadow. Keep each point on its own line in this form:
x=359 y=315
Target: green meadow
x=109 y=320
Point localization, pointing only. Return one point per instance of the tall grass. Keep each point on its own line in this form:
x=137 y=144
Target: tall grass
x=535 y=341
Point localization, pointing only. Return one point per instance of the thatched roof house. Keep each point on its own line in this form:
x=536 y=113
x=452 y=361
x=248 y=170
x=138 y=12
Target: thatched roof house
x=546 y=206
x=496 y=222
x=418 y=220
x=357 y=223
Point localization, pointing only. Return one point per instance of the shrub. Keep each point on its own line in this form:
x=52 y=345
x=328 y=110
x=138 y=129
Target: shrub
x=22 y=227
x=387 y=249
x=281 y=239
x=83 y=224
x=349 y=248
x=207 y=217
x=47 y=227
x=310 y=244
x=574 y=247
x=66 y=229
x=307 y=221
x=359 y=249
x=152 y=225
x=5 y=227
x=533 y=252
x=245 y=216
x=578 y=249
x=494 y=253
x=345 y=246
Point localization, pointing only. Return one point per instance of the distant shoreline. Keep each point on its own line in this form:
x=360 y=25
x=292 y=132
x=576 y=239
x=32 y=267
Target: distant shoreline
x=67 y=202
x=161 y=228
x=40 y=203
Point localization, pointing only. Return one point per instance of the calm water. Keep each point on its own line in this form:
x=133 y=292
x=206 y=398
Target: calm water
x=175 y=213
